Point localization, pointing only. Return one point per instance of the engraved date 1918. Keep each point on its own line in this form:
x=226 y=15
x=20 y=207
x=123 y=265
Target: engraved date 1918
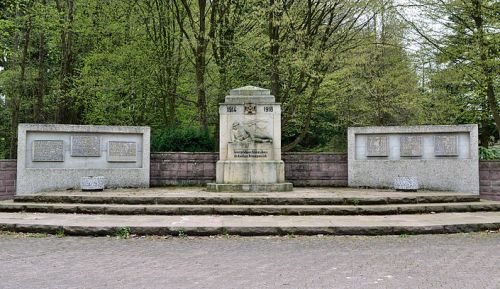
x=268 y=109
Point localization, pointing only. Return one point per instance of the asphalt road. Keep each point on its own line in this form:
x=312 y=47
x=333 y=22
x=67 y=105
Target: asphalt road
x=426 y=261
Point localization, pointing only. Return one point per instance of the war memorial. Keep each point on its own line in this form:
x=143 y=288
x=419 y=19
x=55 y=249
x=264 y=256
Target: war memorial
x=94 y=180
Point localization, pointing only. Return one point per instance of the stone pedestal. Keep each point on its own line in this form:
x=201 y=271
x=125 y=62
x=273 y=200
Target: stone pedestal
x=250 y=143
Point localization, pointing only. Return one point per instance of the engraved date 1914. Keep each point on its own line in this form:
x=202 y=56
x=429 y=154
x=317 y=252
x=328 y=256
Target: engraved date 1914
x=231 y=108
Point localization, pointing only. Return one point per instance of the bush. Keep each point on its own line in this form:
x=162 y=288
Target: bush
x=492 y=153
x=179 y=139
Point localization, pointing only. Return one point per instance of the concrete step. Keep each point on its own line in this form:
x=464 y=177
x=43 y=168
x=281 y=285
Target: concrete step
x=93 y=225
x=120 y=209
x=292 y=198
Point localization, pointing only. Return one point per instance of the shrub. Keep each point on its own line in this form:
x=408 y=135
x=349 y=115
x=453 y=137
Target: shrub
x=492 y=153
x=179 y=139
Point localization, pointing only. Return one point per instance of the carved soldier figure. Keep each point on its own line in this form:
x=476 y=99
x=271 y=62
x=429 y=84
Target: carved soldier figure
x=241 y=133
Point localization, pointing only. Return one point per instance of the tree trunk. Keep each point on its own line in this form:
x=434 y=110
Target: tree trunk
x=41 y=88
x=20 y=92
x=67 y=113
x=274 y=48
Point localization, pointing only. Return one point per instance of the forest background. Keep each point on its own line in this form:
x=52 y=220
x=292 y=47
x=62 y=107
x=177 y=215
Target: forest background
x=168 y=63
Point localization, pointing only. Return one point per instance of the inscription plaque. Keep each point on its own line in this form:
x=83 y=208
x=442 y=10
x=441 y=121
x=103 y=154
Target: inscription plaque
x=445 y=145
x=250 y=153
x=85 y=146
x=121 y=151
x=376 y=146
x=48 y=151
x=410 y=146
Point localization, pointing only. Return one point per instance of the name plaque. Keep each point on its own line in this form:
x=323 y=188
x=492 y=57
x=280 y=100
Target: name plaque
x=48 y=151
x=376 y=146
x=85 y=146
x=410 y=146
x=121 y=151
x=446 y=145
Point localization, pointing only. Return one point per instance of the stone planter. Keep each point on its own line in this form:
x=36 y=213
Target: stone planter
x=406 y=184
x=89 y=184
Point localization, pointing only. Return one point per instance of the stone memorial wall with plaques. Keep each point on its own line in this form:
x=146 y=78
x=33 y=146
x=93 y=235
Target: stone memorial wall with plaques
x=440 y=157
x=55 y=157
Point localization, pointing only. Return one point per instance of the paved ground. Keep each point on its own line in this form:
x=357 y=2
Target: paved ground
x=426 y=261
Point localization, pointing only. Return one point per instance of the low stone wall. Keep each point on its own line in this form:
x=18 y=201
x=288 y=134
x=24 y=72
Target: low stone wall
x=302 y=169
x=489 y=179
x=7 y=178
x=316 y=169
x=179 y=168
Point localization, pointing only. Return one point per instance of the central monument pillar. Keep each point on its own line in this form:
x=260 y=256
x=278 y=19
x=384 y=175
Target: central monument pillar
x=250 y=143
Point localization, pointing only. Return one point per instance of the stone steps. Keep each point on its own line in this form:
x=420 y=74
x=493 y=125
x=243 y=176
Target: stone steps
x=197 y=198
x=194 y=211
x=181 y=209
x=98 y=225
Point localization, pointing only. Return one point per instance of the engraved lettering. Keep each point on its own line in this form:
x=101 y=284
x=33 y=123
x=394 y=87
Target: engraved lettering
x=376 y=146
x=268 y=109
x=250 y=153
x=231 y=108
x=48 y=151
x=445 y=145
x=410 y=146
x=120 y=151
x=85 y=146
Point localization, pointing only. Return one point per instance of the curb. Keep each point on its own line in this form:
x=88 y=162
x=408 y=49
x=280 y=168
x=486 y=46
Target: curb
x=251 y=231
x=248 y=210
x=231 y=200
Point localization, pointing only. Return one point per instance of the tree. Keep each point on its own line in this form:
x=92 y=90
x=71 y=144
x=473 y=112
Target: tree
x=464 y=36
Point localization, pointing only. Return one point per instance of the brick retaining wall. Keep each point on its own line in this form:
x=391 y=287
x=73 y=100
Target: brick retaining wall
x=302 y=169
x=316 y=169
x=179 y=168
x=7 y=178
x=489 y=180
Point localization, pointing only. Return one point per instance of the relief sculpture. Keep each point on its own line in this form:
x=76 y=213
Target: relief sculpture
x=250 y=132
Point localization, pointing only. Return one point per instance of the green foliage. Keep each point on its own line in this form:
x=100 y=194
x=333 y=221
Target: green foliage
x=60 y=233
x=492 y=153
x=182 y=139
x=123 y=233
x=332 y=64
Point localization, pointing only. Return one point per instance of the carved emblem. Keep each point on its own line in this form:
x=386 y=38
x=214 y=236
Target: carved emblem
x=250 y=108
x=249 y=132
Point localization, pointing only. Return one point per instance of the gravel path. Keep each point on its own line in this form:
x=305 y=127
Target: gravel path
x=425 y=261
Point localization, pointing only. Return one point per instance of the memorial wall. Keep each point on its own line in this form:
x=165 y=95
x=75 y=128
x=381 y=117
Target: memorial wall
x=440 y=157
x=54 y=157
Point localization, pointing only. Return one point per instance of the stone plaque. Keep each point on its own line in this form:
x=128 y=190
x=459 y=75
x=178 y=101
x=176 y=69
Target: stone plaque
x=85 y=146
x=376 y=146
x=445 y=145
x=410 y=146
x=122 y=151
x=48 y=151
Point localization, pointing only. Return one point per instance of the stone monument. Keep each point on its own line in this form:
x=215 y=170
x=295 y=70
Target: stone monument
x=58 y=156
x=429 y=157
x=250 y=143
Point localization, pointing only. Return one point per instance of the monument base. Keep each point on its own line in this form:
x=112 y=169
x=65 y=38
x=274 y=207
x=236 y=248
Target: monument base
x=277 y=187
